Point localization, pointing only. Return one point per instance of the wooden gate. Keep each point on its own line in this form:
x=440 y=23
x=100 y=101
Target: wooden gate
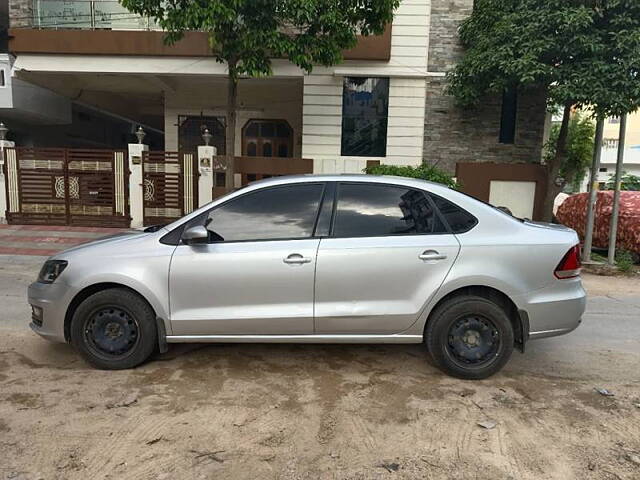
x=169 y=186
x=57 y=186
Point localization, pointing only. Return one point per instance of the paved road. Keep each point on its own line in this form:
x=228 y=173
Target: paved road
x=315 y=411
x=46 y=240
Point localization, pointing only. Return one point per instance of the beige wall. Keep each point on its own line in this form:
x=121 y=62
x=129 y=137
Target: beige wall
x=406 y=69
x=612 y=129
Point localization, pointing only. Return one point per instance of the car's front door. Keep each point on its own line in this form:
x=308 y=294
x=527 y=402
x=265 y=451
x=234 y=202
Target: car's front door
x=387 y=254
x=256 y=273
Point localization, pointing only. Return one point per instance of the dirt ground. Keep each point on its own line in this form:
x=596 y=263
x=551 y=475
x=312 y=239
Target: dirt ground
x=348 y=412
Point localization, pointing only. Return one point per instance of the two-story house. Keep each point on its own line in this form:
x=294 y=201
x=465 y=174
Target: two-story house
x=384 y=103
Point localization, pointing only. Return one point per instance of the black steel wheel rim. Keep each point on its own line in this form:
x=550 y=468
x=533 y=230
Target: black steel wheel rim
x=111 y=332
x=473 y=341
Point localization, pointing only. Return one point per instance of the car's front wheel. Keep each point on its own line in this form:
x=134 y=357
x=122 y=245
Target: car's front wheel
x=469 y=337
x=114 y=329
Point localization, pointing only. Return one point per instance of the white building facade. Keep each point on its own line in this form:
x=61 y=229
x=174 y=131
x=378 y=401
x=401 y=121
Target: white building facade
x=369 y=108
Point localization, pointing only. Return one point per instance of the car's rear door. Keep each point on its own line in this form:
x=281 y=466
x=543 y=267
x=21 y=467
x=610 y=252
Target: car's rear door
x=256 y=274
x=388 y=252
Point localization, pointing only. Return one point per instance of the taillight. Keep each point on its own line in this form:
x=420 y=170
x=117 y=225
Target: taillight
x=570 y=265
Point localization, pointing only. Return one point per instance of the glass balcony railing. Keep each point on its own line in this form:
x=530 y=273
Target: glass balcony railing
x=88 y=14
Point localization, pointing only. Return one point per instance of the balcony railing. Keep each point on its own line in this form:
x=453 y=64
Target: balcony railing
x=88 y=14
x=610 y=143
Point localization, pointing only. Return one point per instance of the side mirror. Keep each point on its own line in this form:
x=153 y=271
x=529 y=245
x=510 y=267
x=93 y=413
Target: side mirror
x=193 y=235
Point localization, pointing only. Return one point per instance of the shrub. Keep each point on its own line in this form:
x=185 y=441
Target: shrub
x=624 y=261
x=424 y=172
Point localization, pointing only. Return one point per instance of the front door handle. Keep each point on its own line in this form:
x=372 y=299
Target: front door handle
x=431 y=255
x=296 y=259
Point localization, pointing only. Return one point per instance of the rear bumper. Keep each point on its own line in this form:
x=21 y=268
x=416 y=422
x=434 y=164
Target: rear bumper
x=554 y=310
x=53 y=299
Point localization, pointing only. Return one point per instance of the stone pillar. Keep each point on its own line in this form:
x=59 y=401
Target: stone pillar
x=205 y=166
x=3 y=181
x=136 y=190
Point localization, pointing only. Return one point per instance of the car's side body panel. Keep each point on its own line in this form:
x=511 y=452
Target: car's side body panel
x=378 y=285
x=137 y=261
x=243 y=288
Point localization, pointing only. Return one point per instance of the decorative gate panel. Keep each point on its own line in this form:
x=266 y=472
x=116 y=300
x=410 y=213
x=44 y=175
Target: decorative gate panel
x=97 y=190
x=169 y=186
x=55 y=186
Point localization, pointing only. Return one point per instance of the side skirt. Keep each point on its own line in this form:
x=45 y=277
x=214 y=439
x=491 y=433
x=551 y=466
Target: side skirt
x=294 y=338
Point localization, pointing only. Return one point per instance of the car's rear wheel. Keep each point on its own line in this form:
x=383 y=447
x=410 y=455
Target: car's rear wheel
x=114 y=329
x=469 y=337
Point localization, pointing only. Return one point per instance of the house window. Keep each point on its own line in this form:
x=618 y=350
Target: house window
x=2 y=79
x=508 y=115
x=365 y=108
x=267 y=138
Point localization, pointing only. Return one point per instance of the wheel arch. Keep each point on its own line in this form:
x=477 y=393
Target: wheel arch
x=518 y=318
x=92 y=289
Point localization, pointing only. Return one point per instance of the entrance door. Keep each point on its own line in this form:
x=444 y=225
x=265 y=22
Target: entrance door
x=256 y=274
x=267 y=138
x=387 y=255
x=191 y=127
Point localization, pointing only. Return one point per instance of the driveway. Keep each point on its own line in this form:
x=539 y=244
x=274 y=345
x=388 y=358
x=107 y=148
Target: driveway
x=305 y=411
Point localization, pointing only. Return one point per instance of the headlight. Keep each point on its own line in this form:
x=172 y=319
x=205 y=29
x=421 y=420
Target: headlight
x=51 y=270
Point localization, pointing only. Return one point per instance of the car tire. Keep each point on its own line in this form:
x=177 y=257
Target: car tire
x=469 y=337
x=114 y=329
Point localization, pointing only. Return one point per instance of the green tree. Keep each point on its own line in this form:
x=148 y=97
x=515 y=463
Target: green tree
x=580 y=52
x=580 y=140
x=247 y=34
x=627 y=182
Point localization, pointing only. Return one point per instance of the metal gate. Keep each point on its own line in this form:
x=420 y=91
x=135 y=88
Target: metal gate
x=57 y=186
x=170 y=186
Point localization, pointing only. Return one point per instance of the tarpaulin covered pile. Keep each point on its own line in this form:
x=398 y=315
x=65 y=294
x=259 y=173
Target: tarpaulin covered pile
x=573 y=214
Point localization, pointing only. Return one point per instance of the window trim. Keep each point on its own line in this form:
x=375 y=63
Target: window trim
x=425 y=193
x=273 y=187
x=330 y=193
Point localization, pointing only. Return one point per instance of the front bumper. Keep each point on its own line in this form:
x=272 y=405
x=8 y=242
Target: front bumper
x=52 y=299
x=554 y=310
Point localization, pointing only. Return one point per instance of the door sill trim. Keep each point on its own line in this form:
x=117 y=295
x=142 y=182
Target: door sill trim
x=320 y=338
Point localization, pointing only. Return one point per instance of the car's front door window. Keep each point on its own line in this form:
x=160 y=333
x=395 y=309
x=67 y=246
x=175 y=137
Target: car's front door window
x=278 y=213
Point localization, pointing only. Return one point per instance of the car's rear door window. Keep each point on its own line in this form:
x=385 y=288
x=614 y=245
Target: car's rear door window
x=371 y=210
x=284 y=212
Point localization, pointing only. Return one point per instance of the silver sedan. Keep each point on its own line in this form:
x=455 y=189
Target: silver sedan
x=335 y=259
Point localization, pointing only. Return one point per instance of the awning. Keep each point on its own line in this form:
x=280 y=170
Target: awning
x=121 y=64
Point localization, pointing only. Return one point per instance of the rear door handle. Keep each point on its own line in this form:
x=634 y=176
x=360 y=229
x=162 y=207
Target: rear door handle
x=431 y=255
x=296 y=259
